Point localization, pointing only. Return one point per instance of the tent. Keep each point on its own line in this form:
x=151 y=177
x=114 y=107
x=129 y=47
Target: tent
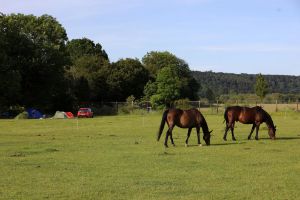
x=60 y=115
x=22 y=115
x=34 y=113
x=69 y=115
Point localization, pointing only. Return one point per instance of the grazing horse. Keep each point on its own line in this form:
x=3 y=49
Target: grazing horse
x=184 y=119
x=246 y=115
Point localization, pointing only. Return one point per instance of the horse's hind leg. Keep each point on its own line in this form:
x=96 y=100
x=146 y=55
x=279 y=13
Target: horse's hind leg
x=253 y=127
x=169 y=132
x=232 y=130
x=171 y=137
x=188 y=136
x=226 y=130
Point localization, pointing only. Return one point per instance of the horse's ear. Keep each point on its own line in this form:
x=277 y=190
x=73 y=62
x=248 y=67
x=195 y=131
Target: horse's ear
x=210 y=131
x=275 y=127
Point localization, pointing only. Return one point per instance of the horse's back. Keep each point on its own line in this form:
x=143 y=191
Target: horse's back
x=184 y=118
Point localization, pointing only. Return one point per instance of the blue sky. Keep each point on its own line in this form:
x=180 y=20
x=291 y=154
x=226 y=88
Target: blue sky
x=250 y=36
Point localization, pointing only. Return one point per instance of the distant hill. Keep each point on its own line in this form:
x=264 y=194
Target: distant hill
x=225 y=83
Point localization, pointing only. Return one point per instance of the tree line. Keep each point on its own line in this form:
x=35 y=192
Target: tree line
x=223 y=85
x=41 y=68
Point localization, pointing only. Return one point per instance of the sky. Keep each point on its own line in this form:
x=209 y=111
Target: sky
x=235 y=36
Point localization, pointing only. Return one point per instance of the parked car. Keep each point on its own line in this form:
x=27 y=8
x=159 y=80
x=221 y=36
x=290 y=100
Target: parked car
x=85 y=112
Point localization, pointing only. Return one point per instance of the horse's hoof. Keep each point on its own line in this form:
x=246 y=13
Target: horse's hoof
x=249 y=138
x=173 y=145
x=256 y=138
x=200 y=145
x=224 y=139
x=186 y=145
x=166 y=146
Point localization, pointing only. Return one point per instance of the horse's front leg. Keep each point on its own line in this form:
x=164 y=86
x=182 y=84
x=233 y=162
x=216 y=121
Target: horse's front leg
x=257 y=129
x=198 y=136
x=188 y=136
x=253 y=127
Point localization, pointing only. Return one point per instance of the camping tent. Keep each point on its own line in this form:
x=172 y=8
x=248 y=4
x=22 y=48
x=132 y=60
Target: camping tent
x=22 y=115
x=34 y=113
x=60 y=115
x=69 y=115
x=63 y=115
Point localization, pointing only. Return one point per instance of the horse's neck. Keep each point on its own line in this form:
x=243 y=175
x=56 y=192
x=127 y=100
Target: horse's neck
x=204 y=126
x=269 y=121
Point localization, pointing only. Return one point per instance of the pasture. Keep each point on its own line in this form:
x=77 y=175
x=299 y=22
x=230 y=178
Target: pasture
x=117 y=157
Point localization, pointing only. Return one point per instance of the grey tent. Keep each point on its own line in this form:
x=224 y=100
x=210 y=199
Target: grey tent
x=60 y=115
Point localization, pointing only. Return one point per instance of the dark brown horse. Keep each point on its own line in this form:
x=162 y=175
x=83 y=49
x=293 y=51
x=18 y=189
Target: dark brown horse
x=184 y=119
x=246 y=115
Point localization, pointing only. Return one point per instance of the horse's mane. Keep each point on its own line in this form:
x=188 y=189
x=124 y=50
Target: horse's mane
x=269 y=120
x=204 y=125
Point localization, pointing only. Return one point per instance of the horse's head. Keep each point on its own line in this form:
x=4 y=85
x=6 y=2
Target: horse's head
x=206 y=137
x=272 y=132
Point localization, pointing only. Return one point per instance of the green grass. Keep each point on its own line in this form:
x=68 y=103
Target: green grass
x=118 y=158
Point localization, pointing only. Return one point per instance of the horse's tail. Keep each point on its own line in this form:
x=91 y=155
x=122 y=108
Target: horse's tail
x=162 y=124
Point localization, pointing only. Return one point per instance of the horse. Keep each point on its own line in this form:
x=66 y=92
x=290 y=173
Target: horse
x=255 y=116
x=190 y=119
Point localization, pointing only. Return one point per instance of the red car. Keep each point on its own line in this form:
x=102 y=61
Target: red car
x=85 y=112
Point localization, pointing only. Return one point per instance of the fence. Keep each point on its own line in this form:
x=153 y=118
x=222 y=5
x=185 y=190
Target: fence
x=113 y=108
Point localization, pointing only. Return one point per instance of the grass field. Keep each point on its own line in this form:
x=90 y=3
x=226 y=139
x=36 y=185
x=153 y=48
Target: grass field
x=118 y=157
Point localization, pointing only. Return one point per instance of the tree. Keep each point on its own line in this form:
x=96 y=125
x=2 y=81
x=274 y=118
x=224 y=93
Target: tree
x=89 y=70
x=168 y=88
x=156 y=61
x=128 y=77
x=33 y=56
x=261 y=87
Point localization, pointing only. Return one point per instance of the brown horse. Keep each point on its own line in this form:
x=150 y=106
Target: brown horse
x=246 y=115
x=184 y=119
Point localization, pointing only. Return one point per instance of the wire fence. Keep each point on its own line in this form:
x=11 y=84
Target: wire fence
x=114 y=108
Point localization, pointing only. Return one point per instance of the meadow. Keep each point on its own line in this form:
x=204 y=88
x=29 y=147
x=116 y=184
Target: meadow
x=118 y=157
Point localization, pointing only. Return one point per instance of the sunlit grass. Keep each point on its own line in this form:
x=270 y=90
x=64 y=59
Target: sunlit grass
x=118 y=157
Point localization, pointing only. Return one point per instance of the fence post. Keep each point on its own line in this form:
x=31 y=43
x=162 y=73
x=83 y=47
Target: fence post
x=276 y=109
x=217 y=106
x=297 y=105
x=199 y=104
x=117 y=106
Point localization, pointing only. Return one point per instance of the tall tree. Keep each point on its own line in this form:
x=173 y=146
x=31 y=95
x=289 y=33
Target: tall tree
x=261 y=87
x=88 y=71
x=168 y=87
x=34 y=55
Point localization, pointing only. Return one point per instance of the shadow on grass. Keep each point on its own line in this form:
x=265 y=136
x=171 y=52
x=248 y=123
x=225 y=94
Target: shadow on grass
x=224 y=144
x=282 y=138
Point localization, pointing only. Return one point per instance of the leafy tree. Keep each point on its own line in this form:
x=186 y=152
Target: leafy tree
x=168 y=87
x=150 y=89
x=33 y=56
x=261 y=87
x=88 y=71
x=127 y=77
x=156 y=61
